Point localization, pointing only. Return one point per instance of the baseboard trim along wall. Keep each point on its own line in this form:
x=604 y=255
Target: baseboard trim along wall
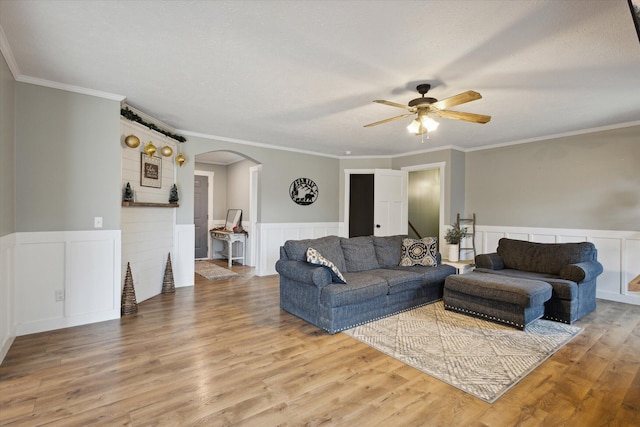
x=7 y=292
x=618 y=252
x=182 y=258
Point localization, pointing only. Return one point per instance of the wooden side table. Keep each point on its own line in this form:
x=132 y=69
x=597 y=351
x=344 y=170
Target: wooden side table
x=230 y=238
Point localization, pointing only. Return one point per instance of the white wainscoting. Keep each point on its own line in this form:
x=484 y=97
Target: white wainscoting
x=182 y=258
x=81 y=266
x=618 y=252
x=271 y=236
x=7 y=292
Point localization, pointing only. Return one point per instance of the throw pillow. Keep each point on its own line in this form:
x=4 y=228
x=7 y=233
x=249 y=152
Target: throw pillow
x=359 y=253
x=419 y=252
x=314 y=257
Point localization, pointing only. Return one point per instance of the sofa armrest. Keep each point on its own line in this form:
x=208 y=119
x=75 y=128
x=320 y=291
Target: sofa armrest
x=581 y=272
x=304 y=272
x=491 y=261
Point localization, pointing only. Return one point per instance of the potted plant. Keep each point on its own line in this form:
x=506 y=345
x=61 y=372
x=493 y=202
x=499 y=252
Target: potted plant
x=453 y=237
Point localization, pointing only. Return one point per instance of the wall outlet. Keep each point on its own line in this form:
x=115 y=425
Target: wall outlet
x=97 y=222
x=59 y=294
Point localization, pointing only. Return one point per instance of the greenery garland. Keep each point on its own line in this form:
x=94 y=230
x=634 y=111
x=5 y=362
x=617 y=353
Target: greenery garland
x=130 y=115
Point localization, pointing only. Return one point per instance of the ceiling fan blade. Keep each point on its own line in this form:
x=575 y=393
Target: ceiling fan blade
x=388 y=120
x=458 y=115
x=458 y=99
x=394 y=104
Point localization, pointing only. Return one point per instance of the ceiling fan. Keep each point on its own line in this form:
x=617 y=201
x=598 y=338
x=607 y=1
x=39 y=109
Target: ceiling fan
x=425 y=106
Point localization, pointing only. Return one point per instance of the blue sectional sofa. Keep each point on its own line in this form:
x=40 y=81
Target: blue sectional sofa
x=376 y=285
x=570 y=268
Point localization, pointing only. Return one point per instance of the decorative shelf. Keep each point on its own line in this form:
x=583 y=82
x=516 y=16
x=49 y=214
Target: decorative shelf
x=150 y=205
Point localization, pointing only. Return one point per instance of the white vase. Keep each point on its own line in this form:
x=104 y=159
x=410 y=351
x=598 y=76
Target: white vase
x=453 y=253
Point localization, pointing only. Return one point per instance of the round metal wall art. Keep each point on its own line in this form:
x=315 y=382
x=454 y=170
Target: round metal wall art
x=303 y=191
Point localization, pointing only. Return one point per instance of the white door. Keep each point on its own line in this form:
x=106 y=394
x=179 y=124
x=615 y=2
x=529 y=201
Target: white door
x=390 y=214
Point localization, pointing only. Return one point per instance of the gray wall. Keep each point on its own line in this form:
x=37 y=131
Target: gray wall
x=219 y=188
x=7 y=150
x=589 y=181
x=68 y=157
x=238 y=187
x=279 y=169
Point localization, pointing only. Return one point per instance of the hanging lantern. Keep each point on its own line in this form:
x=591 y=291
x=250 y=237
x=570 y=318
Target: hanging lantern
x=132 y=141
x=150 y=149
x=180 y=159
x=166 y=151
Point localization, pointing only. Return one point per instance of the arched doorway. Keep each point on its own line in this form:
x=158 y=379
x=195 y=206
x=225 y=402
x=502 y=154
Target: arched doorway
x=231 y=183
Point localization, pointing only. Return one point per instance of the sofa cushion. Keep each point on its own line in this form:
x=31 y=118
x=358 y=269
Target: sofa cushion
x=314 y=257
x=572 y=272
x=563 y=289
x=328 y=246
x=399 y=280
x=419 y=252
x=517 y=291
x=360 y=287
x=359 y=253
x=388 y=249
x=543 y=257
x=431 y=276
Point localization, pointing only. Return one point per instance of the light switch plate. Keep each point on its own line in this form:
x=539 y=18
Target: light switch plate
x=97 y=222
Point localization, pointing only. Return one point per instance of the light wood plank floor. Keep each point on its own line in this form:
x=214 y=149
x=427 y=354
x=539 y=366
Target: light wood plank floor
x=223 y=353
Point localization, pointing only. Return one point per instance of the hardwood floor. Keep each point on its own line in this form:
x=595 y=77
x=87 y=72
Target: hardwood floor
x=223 y=353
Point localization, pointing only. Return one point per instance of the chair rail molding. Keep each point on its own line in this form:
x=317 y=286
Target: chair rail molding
x=270 y=236
x=618 y=252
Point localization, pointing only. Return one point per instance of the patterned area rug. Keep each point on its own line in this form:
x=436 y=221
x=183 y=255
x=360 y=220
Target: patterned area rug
x=212 y=271
x=482 y=358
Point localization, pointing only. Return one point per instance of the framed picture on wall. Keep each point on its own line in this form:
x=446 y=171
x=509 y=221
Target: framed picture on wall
x=150 y=171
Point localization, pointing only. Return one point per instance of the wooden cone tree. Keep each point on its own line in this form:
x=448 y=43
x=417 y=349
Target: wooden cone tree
x=168 y=287
x=128 y=303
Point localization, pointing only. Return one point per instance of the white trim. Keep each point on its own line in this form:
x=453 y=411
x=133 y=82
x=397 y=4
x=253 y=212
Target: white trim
x=84 y=265
x=253 y=143
x=618 y=252
x=8 y=55
x=70 y=88
x=441 y=166
x=183 y=260
x=273 y=235
x=7 y=293
x=253 y=258
x=554 y=136
x=210 y=221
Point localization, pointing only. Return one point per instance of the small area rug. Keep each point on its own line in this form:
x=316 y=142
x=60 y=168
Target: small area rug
x=479 y=357
x=212 y=271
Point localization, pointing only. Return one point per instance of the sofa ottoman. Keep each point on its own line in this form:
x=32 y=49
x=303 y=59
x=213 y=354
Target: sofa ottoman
x=513 y=301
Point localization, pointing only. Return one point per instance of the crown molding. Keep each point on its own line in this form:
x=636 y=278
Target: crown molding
x=70 y=88
x=556 y=136
x=8 y=55
x=253 y=144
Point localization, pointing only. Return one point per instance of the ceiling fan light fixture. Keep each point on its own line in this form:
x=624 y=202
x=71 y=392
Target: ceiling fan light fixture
x=414 y=127
x=423 y=124
x=429 y=123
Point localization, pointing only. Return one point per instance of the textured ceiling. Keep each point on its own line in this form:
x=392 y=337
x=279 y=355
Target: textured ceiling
x=302 y=74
